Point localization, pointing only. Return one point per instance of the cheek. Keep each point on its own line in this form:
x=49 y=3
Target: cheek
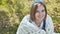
x=36 y=15
x=43 y=15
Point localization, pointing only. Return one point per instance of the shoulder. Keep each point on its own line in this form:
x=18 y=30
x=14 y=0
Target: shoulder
x=48 y=16
x=26 y=17
x=49 y=20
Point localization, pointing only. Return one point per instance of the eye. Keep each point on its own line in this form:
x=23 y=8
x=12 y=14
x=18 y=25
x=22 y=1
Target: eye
x=43 y=10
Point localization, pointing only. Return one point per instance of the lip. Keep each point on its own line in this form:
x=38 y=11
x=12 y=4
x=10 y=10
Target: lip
x=40 y=16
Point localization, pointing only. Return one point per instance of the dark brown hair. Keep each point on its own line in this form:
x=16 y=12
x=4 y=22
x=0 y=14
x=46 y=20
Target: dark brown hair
x=33 y=10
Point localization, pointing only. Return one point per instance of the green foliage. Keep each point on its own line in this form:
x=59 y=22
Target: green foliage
x=12 y=12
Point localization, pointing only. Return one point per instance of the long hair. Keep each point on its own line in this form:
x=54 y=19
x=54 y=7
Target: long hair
x=34 y=9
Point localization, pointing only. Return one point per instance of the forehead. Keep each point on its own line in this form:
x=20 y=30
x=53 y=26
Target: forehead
x=40 y=7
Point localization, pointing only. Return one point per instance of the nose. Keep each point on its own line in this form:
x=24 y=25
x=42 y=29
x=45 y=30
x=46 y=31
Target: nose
x=40 y=13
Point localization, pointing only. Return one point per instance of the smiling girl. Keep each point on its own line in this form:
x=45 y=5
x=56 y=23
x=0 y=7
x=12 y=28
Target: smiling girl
x=37 y=22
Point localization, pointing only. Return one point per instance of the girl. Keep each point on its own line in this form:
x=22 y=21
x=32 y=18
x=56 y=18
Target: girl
x=37 y=22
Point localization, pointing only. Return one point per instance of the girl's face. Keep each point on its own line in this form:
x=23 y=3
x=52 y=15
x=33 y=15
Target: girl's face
x=40 y=13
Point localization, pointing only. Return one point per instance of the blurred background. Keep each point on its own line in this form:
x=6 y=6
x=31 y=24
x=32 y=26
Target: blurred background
x=12 y=12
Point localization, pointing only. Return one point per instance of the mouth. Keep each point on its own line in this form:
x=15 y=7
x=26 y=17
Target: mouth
x=40 y=16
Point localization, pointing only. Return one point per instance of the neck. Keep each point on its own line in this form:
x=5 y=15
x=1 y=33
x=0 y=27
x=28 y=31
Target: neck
x=38 y=23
